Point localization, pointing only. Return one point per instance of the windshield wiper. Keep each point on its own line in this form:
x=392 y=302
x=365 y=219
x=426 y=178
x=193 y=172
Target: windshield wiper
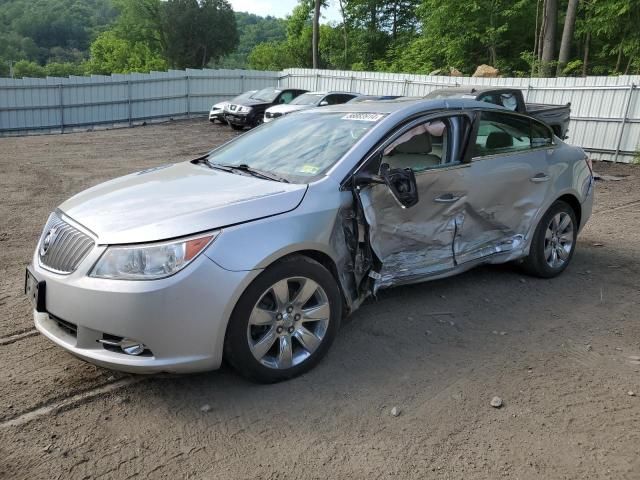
x=243 y=167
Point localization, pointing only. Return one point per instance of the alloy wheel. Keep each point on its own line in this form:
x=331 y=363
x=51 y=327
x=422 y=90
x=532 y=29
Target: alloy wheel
x=288 y=323
x=558 y=240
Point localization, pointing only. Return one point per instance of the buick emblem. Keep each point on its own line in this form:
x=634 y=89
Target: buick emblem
x=48 y=240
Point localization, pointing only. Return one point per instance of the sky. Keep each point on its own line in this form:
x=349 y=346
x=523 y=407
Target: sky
x=281 y=8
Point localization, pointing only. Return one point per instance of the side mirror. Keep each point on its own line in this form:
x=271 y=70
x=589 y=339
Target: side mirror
x=401 y=182
x=324 y=103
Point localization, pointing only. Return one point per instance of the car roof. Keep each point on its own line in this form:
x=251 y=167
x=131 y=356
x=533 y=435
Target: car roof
x=470 y=89
x=332 y=92
x=408 y=104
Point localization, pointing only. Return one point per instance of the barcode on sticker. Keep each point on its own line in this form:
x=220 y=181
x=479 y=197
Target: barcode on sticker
x=365 y=117
x=375 y=275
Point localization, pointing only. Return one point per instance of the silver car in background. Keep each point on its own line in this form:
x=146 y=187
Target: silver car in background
x=255 y=251
x=306 y=101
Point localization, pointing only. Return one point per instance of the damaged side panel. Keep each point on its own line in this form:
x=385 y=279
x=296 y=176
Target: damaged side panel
x=467 y=214
x=417 y=242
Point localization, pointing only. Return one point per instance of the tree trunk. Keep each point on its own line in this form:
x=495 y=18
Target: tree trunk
x=316 y=34
x=585 y=59
x=345 y=33
x=619 y=59
x=543 y=24
x=549 y=38
x=626 y=70
x=567 y=36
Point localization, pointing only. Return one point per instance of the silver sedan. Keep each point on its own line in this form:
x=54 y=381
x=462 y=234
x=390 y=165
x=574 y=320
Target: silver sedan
x=255 y=251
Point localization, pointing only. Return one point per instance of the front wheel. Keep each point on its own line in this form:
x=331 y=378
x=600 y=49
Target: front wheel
x=553 y=243
x=285 y=322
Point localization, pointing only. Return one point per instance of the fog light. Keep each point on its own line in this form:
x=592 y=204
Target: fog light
x=132 y=347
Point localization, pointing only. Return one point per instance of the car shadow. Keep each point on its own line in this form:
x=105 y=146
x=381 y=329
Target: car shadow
x=430 y=334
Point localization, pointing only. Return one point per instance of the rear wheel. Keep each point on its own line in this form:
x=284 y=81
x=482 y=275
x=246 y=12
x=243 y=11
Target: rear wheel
x=553 y=242
x=285 y=322
x=237 y=127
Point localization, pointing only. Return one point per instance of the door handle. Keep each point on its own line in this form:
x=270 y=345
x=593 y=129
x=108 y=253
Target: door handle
x=446 y=198
x=539 y=178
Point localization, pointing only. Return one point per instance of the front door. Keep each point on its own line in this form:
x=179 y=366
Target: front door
x=509 y=183
x=417 y=242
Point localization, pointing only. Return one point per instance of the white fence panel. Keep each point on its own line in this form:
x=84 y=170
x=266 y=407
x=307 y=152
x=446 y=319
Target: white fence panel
x=48 y=105
x=605 y=117
x=605 y=111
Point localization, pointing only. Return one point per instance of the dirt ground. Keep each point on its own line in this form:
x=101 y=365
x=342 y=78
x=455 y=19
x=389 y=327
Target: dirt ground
x=563 y=354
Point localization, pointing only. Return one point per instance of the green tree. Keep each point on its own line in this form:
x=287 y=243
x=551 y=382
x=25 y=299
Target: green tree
x=196 y=32
x=110 y=54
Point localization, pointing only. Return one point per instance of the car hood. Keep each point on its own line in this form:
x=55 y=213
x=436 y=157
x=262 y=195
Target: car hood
x=176 y=200
x=288 y=108
x=250 y=102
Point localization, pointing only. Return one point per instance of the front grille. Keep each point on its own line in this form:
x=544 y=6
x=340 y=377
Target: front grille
x=62 y=247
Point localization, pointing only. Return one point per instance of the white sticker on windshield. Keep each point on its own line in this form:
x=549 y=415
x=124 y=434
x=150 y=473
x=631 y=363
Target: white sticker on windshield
x=365 y=117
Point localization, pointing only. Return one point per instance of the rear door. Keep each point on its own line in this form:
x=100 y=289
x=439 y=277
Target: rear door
x=417 y=242
x=509 y=184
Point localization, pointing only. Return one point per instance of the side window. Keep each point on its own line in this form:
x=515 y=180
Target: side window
x=332 y=99
x=501 y=133
x=489 y=98
x=344 y=98
x=541 y=135
x=419 y=148
x=509 y=101
x=286 y=97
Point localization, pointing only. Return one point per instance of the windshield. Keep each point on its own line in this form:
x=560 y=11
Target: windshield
x=266 y=94
x=244 y=96
x=307 y=99
x=297 y=148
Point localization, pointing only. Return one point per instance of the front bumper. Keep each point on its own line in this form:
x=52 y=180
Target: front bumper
x=181 y=319
x=216 y=114
x=248 y=120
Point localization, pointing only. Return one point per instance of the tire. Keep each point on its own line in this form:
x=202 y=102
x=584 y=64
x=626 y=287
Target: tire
x=237 y=127
x=553 y=245
x=266 y=336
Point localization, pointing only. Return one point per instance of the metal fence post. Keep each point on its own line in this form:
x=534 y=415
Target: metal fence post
x=61 y=103
x=242 y=83
x=317 y=82
x=188 y=88
x=625 y=116
x=129 y=102
x=351 y=83
x=529 y=87
x=406 y=87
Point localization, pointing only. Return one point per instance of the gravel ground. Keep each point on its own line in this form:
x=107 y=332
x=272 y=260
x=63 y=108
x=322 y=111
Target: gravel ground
x=563 y=354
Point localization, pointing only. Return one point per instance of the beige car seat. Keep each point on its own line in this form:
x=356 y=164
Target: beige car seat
x=415 y=153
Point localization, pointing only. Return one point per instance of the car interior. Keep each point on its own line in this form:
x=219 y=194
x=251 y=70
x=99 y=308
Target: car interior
x=421 y=148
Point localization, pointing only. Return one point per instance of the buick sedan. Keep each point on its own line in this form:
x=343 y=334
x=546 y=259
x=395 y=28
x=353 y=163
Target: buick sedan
x=257 y=250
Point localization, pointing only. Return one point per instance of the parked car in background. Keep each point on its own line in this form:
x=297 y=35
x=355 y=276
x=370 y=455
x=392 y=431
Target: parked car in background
x=308 y=100
x=217 y=111
x=256 y=250
x=372 y=98
x=250 y=111
x=556 y=116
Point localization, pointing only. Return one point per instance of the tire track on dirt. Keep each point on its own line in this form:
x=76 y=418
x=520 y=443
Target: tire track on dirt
x=16 y=337
x=68 y=402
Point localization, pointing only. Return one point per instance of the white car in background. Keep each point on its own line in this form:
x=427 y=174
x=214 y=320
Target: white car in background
x=217 y=110
x=306 y=101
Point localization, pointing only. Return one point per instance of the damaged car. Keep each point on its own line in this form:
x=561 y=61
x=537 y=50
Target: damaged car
x=257 y=250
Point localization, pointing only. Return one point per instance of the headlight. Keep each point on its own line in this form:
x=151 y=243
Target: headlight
x=150 y=261
x=244 y=109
